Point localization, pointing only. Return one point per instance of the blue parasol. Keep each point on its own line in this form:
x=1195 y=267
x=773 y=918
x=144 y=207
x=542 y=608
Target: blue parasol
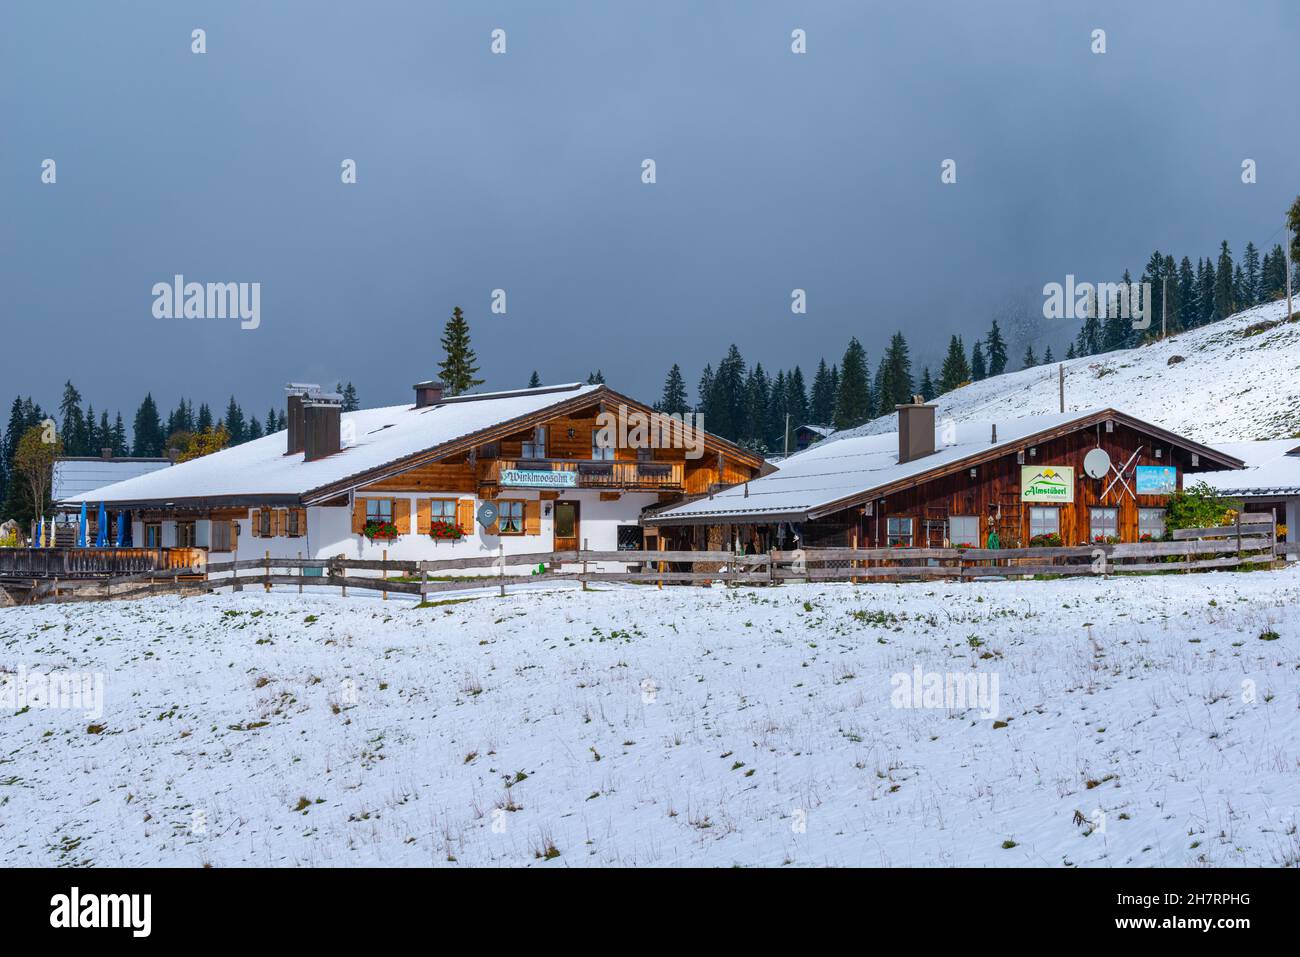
x=101 y=537
x=81 y=528
x=121 y=529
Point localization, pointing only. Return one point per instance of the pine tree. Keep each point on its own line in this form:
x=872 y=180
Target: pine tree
x=727 y=397
x=1047 y=356
x=272 y=422
x=997 y=351
x=350 y=401
x=796 y=399
x=91 y=446
x=704 y=392
x=777 y=409
x=534 y=381
x=853 y=399
x=1224 y=304
x=254 y=430
x=204 y=421
x=459 y=365
x=821 y=405
x=927 y=387
x=1293 y=224
x=235 y=423
x=898 y=363
x=1174 y=303
x=1029 y=360
x=596 y=378
x=754 y=416
x=978 y=370
x=1272 y=277
x=148 y=429
x=1208 y=285
x=119 y=437
x=106 y=438
x=673 y=400
x=1188 y=303
x=1250 y=263
x=955 y=370
x=72 y=427
x=1070 y=353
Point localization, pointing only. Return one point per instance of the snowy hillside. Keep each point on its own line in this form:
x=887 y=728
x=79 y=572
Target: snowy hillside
x=1235 y=379
x=1149 y=723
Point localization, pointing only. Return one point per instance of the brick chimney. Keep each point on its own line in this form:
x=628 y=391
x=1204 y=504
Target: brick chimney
x=296 y=392
x=915 y=430
x=428 y=393
x=320 y=425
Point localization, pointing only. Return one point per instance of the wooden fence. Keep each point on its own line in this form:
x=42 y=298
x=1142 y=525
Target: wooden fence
x=1249 y=542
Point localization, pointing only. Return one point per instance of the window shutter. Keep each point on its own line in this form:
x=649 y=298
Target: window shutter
x=256 y=524
x=532 y=518
x=423 y=516
x=402 y=515
x=277 y=521
x=358 y=516
x=298 y=527
x=465 y=515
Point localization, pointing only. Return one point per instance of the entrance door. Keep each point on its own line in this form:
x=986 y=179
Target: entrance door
x=566 y=526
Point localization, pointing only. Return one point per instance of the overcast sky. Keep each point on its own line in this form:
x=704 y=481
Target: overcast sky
x=523 y=172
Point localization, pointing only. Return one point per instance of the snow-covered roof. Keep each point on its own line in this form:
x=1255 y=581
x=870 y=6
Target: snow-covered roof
x=76 y=476
x=829 y=472
x=822 y=430
x=372 y=438
x=1272 y=468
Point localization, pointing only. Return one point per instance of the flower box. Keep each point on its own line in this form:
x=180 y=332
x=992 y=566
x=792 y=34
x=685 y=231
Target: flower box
x=380 y=531
x=446 y=531
x=1045 y=541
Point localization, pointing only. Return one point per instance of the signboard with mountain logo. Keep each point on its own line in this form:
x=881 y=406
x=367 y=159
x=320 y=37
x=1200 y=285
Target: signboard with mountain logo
x=1047 y=483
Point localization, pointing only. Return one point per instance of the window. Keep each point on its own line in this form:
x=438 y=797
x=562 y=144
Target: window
x=379 y=510
x=185 y=535
x=1044 y=521
x=599 y=452
x=510 y=518
x=153 y=535
x=1103 y=524
x=442 y=510
x=222 y=536
x=631 y=538
x=898 y=531
x=1151 y=523
x=964 y=530
x=536 y=449
x=293 y=522
x=264 y=523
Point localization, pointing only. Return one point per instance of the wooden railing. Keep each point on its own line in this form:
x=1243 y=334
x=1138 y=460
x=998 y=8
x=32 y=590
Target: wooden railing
x=50 y=563
x=607 y=474
x=1251 y=543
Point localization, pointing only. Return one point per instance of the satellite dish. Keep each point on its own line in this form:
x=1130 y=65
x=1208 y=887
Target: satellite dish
x=1096 y=463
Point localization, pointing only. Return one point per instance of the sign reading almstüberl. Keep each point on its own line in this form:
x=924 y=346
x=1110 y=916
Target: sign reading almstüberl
x=538 y=478
x=1046 y=483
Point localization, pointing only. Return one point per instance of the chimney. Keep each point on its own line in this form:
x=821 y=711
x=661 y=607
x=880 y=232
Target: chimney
x=320 y=425
x=106 y=452
x=297 y=393
x=915 y=430
x=427 y=394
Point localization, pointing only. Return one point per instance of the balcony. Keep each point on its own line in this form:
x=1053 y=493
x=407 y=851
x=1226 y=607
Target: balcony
x=570 y=473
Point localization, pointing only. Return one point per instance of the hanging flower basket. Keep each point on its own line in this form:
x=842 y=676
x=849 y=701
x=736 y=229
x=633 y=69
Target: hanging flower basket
x=380 y=531
x=446 y=531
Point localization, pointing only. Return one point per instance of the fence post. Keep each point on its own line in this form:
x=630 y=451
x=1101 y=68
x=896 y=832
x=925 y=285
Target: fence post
x=771 y=566
x=660 y=563
x=501 y=566
x=343 y=570
x=424 y=579
x=300 y=571
x=584 y=566
x=384 y=573
x=1239 y=533
x=267 y=584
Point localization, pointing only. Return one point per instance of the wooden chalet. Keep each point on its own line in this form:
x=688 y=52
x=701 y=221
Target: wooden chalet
x=1032 y=481
x=412 y=482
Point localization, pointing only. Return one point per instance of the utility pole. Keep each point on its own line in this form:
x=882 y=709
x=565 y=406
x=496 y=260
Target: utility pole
x=1164 y=303
x=1060 y=377
x=786 y=437
x=1287 y=249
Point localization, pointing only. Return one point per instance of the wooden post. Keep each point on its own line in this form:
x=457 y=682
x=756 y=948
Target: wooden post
x=384 y=572
x=771 y=566
x=1239 y=533
x=343 y=571
x=584 y=566
x=300 y=571
x=660 y=563
x=424 y=579
x=267 y=585
x=501 y=566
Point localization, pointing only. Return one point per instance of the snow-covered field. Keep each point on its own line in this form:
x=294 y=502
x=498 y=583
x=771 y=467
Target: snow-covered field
x=1146 y=723
x=1244 y=373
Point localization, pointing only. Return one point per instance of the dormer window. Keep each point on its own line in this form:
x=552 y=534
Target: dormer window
x=535 y=449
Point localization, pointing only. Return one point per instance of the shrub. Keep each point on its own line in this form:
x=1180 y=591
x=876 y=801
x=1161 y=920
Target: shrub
x=1198 y=507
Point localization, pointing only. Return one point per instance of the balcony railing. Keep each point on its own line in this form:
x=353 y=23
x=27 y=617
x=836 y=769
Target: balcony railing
x=532 y=473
